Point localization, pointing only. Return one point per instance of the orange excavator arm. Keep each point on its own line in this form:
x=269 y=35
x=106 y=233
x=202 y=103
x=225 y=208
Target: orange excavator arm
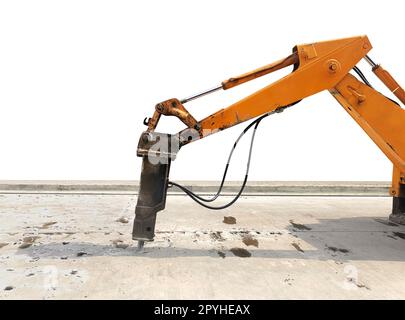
x=316 y=67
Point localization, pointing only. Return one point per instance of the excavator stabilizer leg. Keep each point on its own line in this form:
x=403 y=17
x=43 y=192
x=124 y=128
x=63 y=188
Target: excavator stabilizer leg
x=398 y=207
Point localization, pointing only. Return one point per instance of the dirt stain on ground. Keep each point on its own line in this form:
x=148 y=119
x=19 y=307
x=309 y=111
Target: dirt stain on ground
x=248 y=240
x=3 y=244
x=28 y=242
x=240 y=252
x=357 y=284
x=123 y=220
x=299 y=226
x=386 y=222
x=240 y=232
x=58 y=233
x=334 y=249
x=399 y=234
x=288 y=280
x=48 y=224
x=217 y=236
x=229 y=220
x=120 y=244
x=297 y=247
x=221 y=254
x=360 y=285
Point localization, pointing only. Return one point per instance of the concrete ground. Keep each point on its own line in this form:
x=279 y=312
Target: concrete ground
x=78 y=246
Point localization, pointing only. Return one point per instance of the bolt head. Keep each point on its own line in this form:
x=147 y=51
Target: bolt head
x=333 y=67
x=159 y=107
x=145 y=137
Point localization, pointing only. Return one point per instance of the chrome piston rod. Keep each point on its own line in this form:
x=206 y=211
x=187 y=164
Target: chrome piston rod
x=201 y=94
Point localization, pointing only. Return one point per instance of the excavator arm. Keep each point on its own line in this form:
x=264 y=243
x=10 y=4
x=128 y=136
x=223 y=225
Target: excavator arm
x=316 y=67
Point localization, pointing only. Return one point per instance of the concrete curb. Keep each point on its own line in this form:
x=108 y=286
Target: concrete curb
x=258 y=188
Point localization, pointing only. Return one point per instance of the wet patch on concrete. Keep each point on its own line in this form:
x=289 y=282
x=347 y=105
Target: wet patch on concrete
x=399 y=235
x=248 y=240
x=386 y=222
x=229 y=220
x=299 y=226
x=297 y=247
x=240 y=252
x=28 y=242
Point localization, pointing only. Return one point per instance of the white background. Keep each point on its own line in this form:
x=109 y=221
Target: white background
x=77 y=79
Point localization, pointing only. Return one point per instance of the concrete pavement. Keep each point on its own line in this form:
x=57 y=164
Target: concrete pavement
x=65 y=246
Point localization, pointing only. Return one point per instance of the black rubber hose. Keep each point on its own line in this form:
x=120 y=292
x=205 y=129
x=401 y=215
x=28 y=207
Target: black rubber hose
x=201 y=200
x=362 y=76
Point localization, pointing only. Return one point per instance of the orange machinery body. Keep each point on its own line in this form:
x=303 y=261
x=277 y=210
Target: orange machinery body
x=317 y=67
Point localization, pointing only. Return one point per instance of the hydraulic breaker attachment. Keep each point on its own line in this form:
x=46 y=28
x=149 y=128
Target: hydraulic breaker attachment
x=151 y=198
x=156 y=152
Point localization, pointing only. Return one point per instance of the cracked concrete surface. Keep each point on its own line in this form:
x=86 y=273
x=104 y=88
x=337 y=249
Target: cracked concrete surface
x=65 y=246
